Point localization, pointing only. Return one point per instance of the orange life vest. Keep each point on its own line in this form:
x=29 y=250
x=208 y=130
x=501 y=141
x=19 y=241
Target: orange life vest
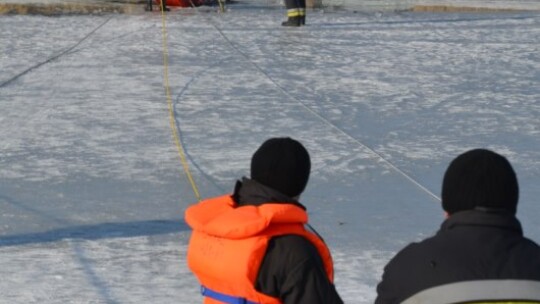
x=228 y=244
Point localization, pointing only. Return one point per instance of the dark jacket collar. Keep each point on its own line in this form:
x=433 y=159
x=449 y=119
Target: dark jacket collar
x=485 y=218
x=250 y=192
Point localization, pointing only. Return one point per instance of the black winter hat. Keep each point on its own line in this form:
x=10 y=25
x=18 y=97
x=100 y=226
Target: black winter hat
x=282 y=164
x=480 y=178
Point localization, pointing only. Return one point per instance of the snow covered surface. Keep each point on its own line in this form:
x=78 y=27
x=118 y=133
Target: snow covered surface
x=404 y=4
x=363 y=5
x=512 y=4
x=92 y=192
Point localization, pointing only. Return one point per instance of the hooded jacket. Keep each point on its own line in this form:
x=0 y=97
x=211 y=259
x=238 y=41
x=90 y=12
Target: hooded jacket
x=253 y=246
x=471 y=245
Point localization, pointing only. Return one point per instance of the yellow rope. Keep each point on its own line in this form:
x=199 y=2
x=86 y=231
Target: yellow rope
x=176 y=136
x=221 y=5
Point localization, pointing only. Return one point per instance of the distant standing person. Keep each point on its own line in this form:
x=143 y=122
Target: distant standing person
x=251 y=246
x=479 y=253
x=149 y=7
x=296 y=13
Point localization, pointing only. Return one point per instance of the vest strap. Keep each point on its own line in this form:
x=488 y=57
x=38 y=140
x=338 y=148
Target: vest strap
x=223 y=297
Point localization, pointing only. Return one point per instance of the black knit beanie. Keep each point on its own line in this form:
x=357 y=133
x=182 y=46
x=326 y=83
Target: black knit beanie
x=480 y=178
x=282 y=164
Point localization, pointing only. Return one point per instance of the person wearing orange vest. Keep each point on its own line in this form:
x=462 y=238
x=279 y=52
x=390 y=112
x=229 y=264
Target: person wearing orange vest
x=251 y=246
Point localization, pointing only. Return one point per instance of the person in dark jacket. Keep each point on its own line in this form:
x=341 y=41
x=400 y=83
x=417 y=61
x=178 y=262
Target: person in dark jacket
x=286 y=262
x=481 y=242
x=163 y=3
x=296 y=13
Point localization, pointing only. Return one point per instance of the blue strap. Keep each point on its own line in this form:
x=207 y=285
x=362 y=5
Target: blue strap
x=223 y=297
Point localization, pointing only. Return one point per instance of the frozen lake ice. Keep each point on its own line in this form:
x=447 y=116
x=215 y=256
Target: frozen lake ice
x=92 y=192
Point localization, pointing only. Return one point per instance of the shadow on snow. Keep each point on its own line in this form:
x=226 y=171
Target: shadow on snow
x=96 y=232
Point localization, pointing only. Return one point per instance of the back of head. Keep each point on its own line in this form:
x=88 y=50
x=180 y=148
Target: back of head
x=282 y=164
x=480 y=178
